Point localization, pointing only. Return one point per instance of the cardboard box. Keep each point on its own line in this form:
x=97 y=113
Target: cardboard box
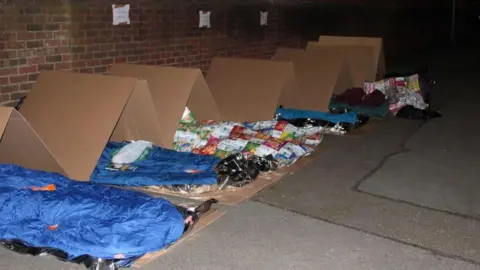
x=358 y=58
x=172 y=89
x=376 y=43
x=69 y=117
x=251 y=89
x=319 y=74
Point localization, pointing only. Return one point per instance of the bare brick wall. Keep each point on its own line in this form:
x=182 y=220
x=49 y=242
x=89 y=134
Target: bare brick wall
x=78 y=35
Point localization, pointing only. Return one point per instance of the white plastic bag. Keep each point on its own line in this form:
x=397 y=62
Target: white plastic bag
x=131 y=152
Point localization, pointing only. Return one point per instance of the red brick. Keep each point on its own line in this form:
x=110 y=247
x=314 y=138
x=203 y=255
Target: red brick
x=119 y=60
x=29 y=69
x=86 y=70
x=15 y=45
x=45 y=67
x=26 y=86
x=18 y=79
x=86 y=56
x=3 y=80
x=44 y=35
x=61 y=34
x=107 y=61
x=94 y=48
x=61 y=50
x=9 y=88
x=101 y=70
x=32 y=77
x=94 y=63
x=66 y=58
x=42 y=18
x=8 y=71
x=79 y=64
x=63 y=66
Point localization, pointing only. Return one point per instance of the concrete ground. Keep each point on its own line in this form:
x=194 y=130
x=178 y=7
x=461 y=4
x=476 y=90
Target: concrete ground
x=400 y=197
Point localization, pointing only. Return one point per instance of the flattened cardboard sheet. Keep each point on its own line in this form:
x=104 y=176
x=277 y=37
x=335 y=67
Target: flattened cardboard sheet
x=237 y=196
x=250 y=89
x=75 y=115
x=205 y=220
x=20 y=144
x=172 y=89
x=358 y=59
x=375 y=42
x=319 y=74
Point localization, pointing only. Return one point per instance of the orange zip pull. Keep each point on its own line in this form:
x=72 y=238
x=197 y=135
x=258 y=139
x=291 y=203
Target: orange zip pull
x=50 y=187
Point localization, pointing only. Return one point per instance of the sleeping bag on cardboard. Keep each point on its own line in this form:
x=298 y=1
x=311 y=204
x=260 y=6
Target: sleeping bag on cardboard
x=46 y=213
x=154 y=166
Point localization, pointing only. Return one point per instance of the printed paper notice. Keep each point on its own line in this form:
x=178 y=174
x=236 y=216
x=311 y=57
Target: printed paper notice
x=263 y=18
x=204 y=19
x=121 y=14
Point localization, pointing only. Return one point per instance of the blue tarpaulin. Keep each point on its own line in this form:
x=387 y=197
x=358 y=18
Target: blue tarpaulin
x=290 y=114
x=161 y=167
x=82 y=218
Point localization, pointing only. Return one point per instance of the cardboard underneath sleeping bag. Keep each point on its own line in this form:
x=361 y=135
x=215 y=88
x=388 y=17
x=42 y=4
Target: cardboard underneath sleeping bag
x=239 y=195
x=319 y=74
x=375 y=43
x=40 y=213
x=359 y=60
x=172 y=89
x=69 y=117
x=251 y=89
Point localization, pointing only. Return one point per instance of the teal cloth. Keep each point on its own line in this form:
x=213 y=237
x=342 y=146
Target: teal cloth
x=381 y=111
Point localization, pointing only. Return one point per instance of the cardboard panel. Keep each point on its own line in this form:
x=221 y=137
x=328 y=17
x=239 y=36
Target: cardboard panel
x=319 y=74
x=75 y=115
x=249 y=89
x=21 y=145
x=172 y=89
x=139 y=119
x=375 y=42
x=358 y=58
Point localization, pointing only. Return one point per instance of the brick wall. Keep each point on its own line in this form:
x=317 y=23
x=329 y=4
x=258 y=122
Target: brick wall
x=78 y=34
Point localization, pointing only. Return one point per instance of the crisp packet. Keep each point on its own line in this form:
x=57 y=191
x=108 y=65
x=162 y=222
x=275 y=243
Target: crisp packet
x=187 y=117
x=233 y=146
x=263 y=151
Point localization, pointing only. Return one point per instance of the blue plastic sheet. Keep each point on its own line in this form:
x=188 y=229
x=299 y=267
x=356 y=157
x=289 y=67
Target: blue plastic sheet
x=160 y=168
x=289 y=114
x=82 y=218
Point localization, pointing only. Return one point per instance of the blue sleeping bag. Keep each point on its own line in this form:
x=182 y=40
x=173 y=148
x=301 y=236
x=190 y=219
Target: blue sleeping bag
x=160 y=168
x=290 y=114
x=83 y=219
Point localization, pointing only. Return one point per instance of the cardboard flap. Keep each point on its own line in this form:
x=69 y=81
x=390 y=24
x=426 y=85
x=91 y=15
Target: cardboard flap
x=319 y=75
x=375 y=42
x=22 y=146
x=248 y=89
x=75 y=115
x=4 y=117
x=139 y=120
x=359 y=60
x=172 y=89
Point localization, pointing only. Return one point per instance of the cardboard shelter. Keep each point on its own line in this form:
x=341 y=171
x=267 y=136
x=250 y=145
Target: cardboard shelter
x=358 y=59
x=69 y=117
x=375 y=43
x=172 y=89
x=251 y=89
x=319 y=74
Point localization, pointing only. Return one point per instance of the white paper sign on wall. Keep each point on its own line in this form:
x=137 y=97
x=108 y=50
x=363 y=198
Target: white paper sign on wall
x=204 y=19
x=121 y=14
x=263 y=18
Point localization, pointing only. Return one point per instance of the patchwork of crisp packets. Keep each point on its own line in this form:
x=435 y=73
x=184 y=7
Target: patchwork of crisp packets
x=280 y=139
